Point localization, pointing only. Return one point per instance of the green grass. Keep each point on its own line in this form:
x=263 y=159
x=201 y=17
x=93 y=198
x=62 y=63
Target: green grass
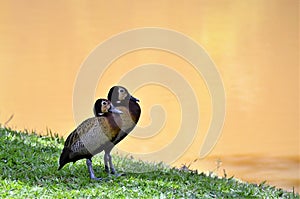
x=29 y=165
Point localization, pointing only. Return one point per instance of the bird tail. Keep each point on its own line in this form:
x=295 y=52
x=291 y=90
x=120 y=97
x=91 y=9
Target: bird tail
x=64 y=158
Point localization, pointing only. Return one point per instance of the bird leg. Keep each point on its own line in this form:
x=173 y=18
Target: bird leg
x=108 y=162
x=90 y=169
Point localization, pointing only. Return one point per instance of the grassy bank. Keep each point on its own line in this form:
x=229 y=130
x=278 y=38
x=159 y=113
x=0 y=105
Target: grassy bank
x=29 y=170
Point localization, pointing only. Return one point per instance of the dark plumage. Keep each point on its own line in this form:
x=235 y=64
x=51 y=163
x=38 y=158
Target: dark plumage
x=92 y=136
x=123 y=101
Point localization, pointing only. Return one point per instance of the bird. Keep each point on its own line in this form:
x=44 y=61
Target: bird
x=131 y=111
x=92 y=136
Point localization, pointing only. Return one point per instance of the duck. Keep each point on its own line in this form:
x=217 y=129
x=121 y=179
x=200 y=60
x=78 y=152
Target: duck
x=131 y=111
x=93 y=136
x=128 y=104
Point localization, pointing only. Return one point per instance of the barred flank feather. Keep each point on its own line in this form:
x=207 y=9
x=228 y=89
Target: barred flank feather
x=89 y=138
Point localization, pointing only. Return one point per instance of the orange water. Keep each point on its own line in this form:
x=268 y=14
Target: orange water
x=254 y=44
x=280 y=171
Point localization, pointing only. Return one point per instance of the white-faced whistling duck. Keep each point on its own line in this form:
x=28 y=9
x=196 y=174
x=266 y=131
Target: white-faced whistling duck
x=92 y=136
x=131 y=111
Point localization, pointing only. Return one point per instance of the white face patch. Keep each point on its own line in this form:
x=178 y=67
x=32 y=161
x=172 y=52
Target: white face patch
x=104 y=103
x=121 y=90
x=105 y=106
x=122 y=93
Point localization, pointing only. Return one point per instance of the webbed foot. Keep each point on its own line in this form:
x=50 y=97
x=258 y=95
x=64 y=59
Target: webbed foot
x=119 y=174
x=96 y=179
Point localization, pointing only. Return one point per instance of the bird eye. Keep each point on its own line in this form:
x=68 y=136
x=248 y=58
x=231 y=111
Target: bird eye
x=122 y=90
x=104 y=103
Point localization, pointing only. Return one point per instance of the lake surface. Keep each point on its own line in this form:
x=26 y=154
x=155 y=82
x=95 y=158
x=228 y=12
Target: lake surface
x=278 y=171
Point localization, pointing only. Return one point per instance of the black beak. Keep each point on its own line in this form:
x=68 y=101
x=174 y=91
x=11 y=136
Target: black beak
x=134 y=99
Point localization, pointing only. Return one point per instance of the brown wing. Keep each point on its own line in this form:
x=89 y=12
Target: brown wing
x=92 y=134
